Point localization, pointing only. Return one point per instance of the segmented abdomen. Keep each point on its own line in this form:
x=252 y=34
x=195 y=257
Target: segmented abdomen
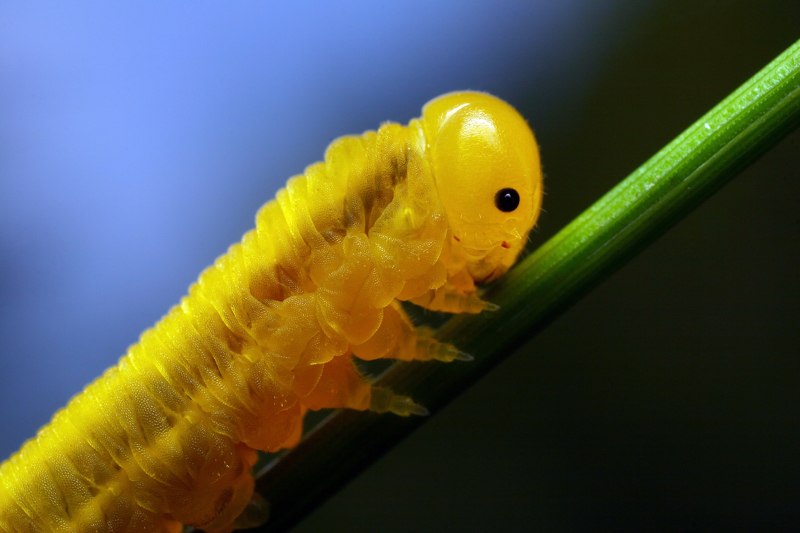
x=168 y=435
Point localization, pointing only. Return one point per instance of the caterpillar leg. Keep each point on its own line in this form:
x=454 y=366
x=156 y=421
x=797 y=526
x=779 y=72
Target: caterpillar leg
x=450 y=298
x=339 y=386
x=342 y=386
x=383 y=400
x=397 y=338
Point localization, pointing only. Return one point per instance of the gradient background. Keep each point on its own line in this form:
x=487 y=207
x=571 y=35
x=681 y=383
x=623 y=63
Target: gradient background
x=137 y=141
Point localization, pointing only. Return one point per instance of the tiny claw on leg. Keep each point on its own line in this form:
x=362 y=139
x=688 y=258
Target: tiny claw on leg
x=476 y=305
x=457 y=355
x=428 y=349
x=489 y=306
x=385 y=401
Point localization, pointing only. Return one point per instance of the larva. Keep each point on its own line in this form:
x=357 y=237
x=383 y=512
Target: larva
x=417 y=213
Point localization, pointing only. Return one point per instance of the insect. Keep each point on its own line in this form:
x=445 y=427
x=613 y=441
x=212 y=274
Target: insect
x=417 y=213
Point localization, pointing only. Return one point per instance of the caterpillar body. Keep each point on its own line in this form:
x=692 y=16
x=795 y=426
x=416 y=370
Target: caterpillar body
x=417 y=213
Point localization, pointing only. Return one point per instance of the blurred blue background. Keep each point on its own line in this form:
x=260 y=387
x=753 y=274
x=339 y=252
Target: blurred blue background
x=137 y=141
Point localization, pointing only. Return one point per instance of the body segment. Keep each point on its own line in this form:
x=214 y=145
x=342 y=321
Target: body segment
x=168 y=436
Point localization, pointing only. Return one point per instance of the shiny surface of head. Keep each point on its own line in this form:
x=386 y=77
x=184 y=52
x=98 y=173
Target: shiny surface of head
x=485 y=163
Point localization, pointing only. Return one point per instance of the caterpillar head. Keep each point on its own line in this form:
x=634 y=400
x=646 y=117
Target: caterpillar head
x=485 y=164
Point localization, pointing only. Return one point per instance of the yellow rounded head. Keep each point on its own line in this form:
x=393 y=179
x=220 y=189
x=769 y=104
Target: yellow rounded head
x=485 y=163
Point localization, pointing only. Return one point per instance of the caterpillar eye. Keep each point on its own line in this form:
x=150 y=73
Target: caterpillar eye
x=506 y=200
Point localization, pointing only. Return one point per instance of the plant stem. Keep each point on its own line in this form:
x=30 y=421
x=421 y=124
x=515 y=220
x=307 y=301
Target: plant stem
x=629 y=217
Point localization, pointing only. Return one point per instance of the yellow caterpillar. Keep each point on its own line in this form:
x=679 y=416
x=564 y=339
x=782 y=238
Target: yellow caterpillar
x=417 y=213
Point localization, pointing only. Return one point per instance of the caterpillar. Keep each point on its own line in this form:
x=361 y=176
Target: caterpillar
x=167 y=437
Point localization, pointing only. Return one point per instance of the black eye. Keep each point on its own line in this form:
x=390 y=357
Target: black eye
x=506 y=200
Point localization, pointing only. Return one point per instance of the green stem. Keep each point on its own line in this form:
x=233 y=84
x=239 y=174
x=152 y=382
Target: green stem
x=631 y=216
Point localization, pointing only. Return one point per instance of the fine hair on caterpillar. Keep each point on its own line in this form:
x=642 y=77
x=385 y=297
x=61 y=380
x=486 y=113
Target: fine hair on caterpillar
x=167 y=437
